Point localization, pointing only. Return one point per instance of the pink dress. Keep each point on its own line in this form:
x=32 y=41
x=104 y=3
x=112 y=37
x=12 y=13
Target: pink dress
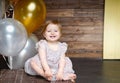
x=52 y=59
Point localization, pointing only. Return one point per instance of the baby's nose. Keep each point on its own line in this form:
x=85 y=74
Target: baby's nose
x=52 y=32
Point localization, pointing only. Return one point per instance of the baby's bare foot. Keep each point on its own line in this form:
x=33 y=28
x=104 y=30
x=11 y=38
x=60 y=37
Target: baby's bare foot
x=73 y=81
x=72 y=76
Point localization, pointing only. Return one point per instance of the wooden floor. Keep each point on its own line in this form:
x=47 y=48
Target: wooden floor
x=87 y=70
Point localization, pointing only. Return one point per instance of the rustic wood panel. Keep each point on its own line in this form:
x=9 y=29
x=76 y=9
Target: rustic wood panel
x=82 y=22
x=74 y=4
x=77 y=21
x=62 y=4
x=93 y=37
x=86 y=45
x=80 y=30
x=85 y=54
x=75 y=12
x=60 y=12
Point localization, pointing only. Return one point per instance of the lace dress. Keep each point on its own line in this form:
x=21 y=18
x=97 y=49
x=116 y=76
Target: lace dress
x=52 y=59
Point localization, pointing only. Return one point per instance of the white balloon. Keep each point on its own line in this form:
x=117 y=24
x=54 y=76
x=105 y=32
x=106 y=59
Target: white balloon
x=13 y=37
x=17 y=62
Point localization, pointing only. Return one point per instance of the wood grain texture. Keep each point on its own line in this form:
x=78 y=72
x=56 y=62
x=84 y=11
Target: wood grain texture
x=82 y=22
x=87 y=71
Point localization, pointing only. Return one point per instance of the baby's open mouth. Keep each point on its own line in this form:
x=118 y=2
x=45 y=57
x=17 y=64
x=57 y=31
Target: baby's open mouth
x=52 y=36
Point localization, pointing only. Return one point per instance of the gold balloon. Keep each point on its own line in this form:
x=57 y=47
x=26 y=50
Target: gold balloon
x=31 y=13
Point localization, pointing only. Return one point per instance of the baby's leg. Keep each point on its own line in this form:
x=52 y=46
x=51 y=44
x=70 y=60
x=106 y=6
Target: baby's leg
x=69 y=68
x=37 y=68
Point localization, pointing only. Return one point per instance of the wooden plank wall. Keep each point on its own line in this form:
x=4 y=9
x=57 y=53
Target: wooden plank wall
x=82 y=22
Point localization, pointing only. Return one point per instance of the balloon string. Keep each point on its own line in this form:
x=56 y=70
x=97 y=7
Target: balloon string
x=5 y=15
x=6 y=62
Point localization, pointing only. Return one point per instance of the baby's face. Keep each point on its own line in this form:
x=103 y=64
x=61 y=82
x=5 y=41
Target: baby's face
x=52 y=32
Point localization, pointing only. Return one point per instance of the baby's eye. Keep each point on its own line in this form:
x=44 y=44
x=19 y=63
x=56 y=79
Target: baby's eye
x=56 y=31
x=48 y=31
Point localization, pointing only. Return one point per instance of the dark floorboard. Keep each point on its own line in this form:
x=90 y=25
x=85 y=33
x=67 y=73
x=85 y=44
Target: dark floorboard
x=87 y=70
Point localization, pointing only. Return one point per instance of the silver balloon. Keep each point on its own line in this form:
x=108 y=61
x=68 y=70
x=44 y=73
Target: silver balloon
x=13 y=37
x=17 y=62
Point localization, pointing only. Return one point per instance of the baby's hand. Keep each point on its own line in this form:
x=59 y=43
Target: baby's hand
x=59 y=76
x=48 y=75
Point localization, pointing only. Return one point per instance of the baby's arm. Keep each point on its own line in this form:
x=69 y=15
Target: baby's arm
x=42 y=54
x=61 y=68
